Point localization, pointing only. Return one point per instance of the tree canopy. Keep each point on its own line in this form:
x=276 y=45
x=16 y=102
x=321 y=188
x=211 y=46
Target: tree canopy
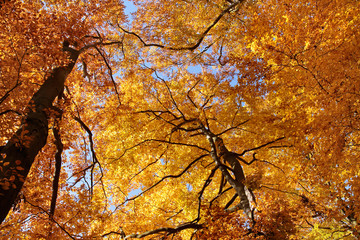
x=224 y=119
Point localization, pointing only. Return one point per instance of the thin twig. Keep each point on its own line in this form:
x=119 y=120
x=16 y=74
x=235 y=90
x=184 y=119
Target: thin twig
x=94 y=158
x=52 y=219
x=164 y=178
x=110 y=73
x=261 y=146
x=202 y=36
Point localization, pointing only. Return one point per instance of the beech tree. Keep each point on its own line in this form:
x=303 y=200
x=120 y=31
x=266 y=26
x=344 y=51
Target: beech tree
x=184 y=120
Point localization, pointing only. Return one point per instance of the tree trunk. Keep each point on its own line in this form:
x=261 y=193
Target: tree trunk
x=238 y=183
x=19 y=153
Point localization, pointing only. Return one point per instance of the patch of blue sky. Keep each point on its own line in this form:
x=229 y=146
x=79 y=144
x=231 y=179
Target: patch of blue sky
x=194 y=69
x=129 y=9
x=189 y=187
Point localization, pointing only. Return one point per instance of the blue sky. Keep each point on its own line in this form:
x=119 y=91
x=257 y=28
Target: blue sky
x=130 y=7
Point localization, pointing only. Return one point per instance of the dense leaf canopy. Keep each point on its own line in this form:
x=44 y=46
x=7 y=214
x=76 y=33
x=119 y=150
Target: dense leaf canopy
x=223 y=119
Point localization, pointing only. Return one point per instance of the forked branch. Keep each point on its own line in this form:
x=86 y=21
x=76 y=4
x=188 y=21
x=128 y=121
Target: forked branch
x=166 y=177
x=199 y=41
x=164 y=230
x=94 y=158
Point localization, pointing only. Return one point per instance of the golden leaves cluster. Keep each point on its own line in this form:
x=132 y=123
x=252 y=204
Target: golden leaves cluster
x=267 y=69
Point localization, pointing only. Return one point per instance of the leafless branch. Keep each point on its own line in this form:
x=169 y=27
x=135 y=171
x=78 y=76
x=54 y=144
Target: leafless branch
x=157 y=140
x=166 y=177
x=178 y=212
x=220 y=193
x=167 y=230
x=110 y=73
x=231 y=128
x=93 y=45
x=152 y=163
x=261 y=146
x=8 y=111
x=220 y=56
x=201 y=38
x=264 y=161
x=164 y=230
x=59 y=147
x=231 y=201
x=94 y=158
x=158 y=115
x=188 y=96
x=7 y=94
x=279 y=190
x=52 y=219
x=206 y=183
x=18 y=83
x=169 y=91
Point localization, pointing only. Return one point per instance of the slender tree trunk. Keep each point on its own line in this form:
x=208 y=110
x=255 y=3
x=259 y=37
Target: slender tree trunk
x=19 y=153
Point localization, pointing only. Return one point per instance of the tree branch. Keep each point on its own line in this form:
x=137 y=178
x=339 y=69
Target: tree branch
x=202 y=36
x=59 y=147
x=52 y=219
x=167 y=176
x=110 y=73
x=167 y=230
x=164 y=230
x=207 y=183
x=8 y=111
x=261 y=146
x=93 y=153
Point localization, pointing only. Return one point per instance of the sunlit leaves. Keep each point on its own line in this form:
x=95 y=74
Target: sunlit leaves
x=267 y=70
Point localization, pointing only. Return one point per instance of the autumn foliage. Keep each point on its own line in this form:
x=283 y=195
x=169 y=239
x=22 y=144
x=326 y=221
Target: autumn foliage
x=224 y=119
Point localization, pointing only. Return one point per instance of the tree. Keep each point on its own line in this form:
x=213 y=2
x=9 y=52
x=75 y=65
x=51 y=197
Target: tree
x=192 y=119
